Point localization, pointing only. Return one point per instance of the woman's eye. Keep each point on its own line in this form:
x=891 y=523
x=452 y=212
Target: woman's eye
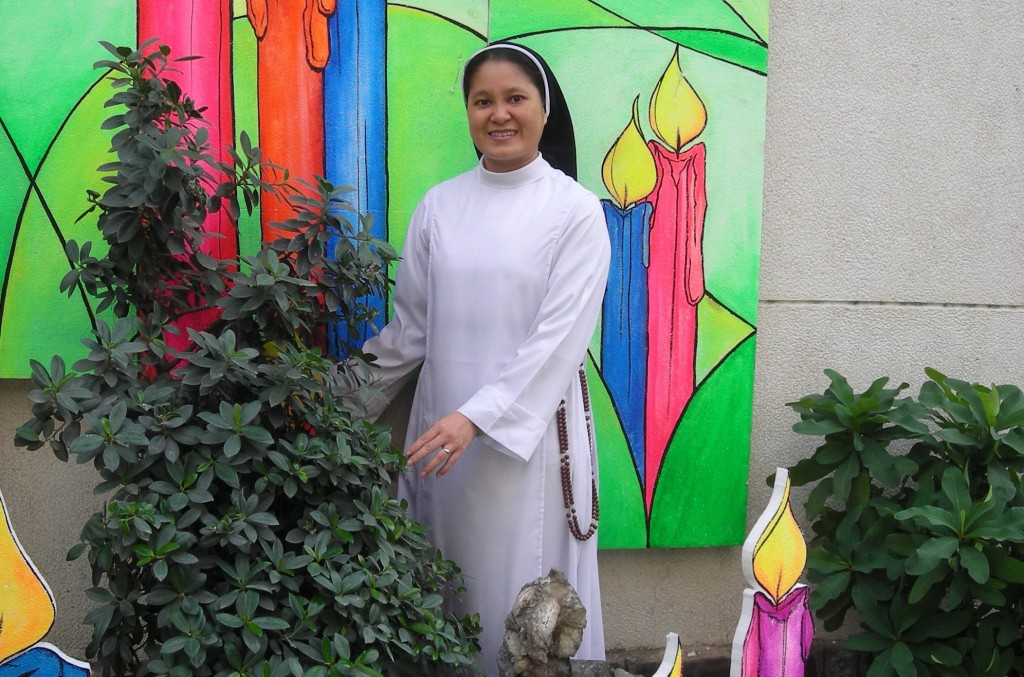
x=517 y=98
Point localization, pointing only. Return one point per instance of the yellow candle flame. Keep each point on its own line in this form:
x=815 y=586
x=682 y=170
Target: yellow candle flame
x=628 y=170
x=780 y=553
x=678 y=115
x=26 y=608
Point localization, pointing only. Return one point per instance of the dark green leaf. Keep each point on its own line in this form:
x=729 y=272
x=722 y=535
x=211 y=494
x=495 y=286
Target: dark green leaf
x=975 y=562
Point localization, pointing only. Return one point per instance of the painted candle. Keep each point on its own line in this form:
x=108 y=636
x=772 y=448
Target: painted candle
x=26 y=603
x=200 y=28
x=629 y=175
x=675 y=277
x=44 y=660
x=774 y=633
x=356 y=139
x=293 y=50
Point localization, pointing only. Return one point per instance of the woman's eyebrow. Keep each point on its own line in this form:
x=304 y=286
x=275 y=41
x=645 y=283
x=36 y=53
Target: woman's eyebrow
x=513 y=88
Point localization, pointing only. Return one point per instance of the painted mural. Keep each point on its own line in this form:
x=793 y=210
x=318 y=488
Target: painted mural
x=668 y=102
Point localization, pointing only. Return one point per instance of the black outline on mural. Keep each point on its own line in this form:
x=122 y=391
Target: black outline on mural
x=682 y=414
x=745 y=22
x=445 y=18
x=33 y=186
x=632 y=459
x=760 y=40
x=655 y=30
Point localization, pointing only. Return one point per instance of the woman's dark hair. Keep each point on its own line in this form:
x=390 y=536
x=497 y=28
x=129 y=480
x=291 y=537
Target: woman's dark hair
x=509 y=55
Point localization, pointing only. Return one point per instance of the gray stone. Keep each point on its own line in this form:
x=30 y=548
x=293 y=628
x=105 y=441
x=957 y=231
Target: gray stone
x=619 y=672
x=596 y=669
x=544 y=629
x=590 y=669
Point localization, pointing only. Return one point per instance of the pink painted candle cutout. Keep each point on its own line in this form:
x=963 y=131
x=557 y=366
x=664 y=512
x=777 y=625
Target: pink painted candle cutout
x=676 y=272
x=774 y=633
x=779 y=637
x=200 y=28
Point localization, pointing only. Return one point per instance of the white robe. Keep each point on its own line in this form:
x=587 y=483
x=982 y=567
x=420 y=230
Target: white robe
x=497 y=295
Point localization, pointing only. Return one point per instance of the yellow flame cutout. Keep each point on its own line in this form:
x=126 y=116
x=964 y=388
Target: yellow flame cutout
x=628 y=170
x=780 y=553
x=26 y=607
x=677 y=666
x=678 y=115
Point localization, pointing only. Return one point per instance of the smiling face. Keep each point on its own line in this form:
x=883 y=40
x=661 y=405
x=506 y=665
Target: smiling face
x=506 y=115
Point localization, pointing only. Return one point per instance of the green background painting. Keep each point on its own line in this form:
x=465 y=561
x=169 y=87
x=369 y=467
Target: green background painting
x=605 y=54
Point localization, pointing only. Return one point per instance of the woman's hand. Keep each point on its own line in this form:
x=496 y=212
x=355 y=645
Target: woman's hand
x=444 y=442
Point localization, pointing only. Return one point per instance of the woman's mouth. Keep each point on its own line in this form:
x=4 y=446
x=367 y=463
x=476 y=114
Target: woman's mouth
x=502 y=133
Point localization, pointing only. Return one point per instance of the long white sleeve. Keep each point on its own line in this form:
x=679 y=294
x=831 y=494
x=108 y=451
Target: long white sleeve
x=514 y=410
x=401 y=345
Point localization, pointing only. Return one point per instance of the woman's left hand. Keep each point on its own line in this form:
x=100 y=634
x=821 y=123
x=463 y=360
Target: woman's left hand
x=444 y=442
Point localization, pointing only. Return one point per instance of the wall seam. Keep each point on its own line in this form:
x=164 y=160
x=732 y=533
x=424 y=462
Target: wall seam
x=1012 y=307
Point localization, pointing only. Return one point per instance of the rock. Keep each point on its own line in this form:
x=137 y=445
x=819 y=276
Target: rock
x=596 y=669
x=544 y=629
x=590 y=669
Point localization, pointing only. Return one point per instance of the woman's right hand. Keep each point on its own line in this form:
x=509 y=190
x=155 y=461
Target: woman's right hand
x=443 y=443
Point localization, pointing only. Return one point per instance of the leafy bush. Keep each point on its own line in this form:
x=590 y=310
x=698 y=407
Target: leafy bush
x=248 y=528
x=918 y=522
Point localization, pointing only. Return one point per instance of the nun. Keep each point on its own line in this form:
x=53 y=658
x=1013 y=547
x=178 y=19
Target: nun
x=496 y=298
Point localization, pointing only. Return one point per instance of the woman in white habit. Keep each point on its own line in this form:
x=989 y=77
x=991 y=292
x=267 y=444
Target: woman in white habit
x=497 y=296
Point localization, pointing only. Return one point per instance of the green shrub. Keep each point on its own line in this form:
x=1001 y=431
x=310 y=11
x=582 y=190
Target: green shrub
x=248 y=528
x=918 y=522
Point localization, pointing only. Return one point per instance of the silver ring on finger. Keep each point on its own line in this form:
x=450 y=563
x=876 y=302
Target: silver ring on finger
x=447 y=452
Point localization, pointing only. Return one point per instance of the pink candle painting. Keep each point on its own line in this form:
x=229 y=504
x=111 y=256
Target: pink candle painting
x=208 y=81
x=676 y=272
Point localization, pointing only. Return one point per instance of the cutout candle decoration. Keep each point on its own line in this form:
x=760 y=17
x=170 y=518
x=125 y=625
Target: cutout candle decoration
x=672 y=660
x=675 y=277
x=44 y=660
x=293 y=50
x=774 y=633
x=629 y=175
x=26 y=603
x=27 y=612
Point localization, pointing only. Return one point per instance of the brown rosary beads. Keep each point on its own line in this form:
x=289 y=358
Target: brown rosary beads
x=563 y=448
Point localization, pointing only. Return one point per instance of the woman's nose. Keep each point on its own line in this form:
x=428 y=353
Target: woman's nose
x=499 y=112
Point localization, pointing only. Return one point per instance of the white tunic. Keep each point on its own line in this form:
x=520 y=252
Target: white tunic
x=497 y=295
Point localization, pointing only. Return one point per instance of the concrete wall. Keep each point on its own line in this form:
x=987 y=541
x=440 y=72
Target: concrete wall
x=893 y=193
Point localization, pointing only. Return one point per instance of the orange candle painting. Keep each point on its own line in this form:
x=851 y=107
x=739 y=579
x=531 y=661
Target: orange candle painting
x=293 y=50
